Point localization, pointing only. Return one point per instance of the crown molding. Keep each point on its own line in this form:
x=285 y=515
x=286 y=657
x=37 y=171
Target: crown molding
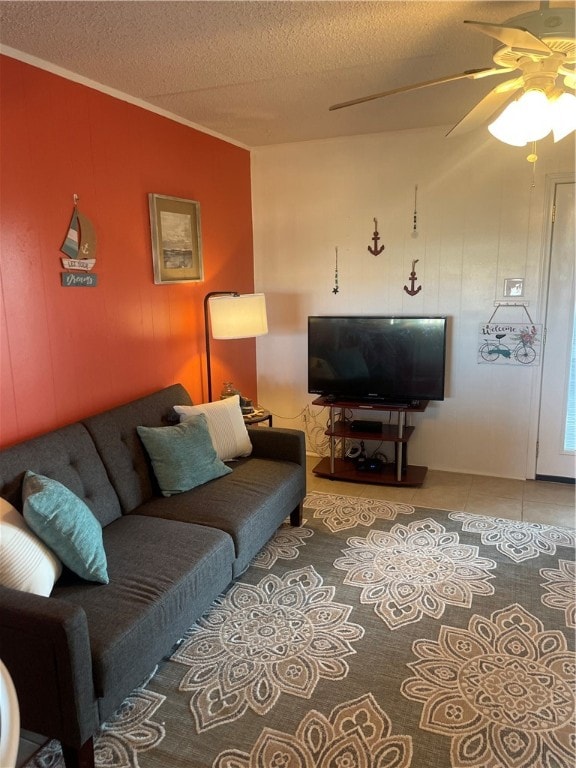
x=116 y=94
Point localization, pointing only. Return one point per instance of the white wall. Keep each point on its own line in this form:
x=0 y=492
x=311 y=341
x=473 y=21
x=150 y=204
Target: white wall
x=481 y=218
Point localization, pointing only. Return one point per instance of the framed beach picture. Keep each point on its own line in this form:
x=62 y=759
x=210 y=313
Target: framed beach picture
x=176 y=239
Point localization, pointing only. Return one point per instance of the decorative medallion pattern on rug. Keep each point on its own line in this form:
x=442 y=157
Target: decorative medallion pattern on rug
x=561 y=587
x=282 y=635
x=282 y=546
x=130 y=732
x=518 y=541
x=436 y=640
x=415 y=570
x=502 y=690
x=343 y=512
x=356 y=734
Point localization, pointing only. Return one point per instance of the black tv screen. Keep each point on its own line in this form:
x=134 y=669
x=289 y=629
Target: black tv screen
x=387 y=359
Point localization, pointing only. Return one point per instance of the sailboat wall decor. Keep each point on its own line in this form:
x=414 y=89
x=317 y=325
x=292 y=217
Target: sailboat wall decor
x=80 y=248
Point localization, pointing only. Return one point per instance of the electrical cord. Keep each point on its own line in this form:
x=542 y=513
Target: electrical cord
x=317 y=441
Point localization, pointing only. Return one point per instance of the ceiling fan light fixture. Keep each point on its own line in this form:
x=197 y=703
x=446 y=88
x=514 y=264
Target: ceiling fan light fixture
x=525 y=120
x=563 y=113
x=508 y=128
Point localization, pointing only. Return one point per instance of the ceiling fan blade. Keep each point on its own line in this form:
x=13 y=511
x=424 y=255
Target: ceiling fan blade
x=483 y=111
x=518 y=38
x=472 y=74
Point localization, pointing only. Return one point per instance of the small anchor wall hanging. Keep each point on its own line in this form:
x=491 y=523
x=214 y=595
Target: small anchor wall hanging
x=336 y=289
x=375 y=249
x=413 y=291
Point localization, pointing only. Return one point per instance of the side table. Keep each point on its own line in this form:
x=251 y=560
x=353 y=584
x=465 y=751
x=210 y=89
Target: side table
x=258 y=417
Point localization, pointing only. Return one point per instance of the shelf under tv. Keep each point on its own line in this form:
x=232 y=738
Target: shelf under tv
x=371 y=404
x=345 y=469
x=398 y=472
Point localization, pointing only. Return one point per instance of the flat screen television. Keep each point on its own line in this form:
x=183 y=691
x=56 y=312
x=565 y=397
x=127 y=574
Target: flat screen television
x=395 y=360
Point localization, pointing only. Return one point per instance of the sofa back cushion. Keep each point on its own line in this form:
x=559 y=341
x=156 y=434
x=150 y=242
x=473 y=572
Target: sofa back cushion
x=121 y=449
x=67 y=455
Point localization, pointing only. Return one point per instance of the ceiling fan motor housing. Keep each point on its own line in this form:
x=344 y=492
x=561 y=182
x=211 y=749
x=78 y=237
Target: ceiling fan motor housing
x=554 y=26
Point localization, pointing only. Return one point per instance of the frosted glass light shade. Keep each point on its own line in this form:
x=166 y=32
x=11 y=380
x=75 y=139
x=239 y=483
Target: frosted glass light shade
x=238 y=317
x=507 y=127
x=527 y=119
x=563 y=113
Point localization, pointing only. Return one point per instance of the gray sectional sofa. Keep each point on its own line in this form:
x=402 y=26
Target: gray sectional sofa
x=74 y=656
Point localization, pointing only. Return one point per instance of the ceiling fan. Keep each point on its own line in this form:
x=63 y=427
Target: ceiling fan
x=541 y=45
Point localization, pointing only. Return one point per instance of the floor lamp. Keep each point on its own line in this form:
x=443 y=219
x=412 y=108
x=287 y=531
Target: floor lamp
x=230 y=315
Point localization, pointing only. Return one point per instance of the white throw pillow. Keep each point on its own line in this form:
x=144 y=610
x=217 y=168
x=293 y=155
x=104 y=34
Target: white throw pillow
x=26 y=563
x=225 y=424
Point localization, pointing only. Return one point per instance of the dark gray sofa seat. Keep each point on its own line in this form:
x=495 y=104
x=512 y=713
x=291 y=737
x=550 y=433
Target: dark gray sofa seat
x=144 y=610
x=249 y=504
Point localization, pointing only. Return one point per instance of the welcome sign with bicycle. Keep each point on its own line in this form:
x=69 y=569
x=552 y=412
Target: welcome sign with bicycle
x=510 y=343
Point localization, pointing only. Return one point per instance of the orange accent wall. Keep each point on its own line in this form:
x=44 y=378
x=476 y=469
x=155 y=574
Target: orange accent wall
x=69 y=352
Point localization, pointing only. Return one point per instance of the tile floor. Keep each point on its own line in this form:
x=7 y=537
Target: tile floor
x=533 y=501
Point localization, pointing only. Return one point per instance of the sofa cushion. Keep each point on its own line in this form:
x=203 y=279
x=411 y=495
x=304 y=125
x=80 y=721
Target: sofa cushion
x=249 y=504
x=66 y=525
x=122 y=451
x=67 y=455
x=183 y=455
x=144 y=610
x=225 y=424
x=26 y=563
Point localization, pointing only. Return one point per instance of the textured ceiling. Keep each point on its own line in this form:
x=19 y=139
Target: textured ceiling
x=266 y=72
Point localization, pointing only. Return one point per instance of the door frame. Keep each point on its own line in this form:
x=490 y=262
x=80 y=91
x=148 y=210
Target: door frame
x=545 y=256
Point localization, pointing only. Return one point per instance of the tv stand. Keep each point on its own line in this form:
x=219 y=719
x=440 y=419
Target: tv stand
x=398 y=472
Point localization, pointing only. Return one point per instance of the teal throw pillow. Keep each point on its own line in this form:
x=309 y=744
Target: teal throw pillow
x=66 y=525
x=183 y=456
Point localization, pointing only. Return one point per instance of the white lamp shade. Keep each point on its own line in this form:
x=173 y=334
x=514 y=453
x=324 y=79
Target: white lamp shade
x=563 y=112
x=505 y=127
x=238 y=317
x=533 y=116
x=527 y=119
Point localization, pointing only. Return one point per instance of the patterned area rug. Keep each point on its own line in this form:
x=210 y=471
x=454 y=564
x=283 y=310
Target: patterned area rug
x=378 y=635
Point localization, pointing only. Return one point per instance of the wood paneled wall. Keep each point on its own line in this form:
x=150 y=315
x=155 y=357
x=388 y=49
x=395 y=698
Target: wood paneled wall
x=69 y=352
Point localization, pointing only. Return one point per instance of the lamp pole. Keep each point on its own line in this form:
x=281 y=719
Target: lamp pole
x=207 y=333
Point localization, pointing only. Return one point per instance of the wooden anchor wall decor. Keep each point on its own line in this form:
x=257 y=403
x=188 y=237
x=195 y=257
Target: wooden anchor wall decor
x=375 y=249
x=413 y=291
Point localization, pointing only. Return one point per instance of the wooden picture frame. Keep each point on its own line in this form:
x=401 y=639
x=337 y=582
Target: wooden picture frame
x=176 y=239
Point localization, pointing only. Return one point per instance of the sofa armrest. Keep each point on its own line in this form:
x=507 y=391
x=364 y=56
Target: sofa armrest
x=277 y=443
x=44 y=644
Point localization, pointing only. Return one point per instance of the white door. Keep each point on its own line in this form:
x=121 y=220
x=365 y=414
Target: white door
x=556 y=435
